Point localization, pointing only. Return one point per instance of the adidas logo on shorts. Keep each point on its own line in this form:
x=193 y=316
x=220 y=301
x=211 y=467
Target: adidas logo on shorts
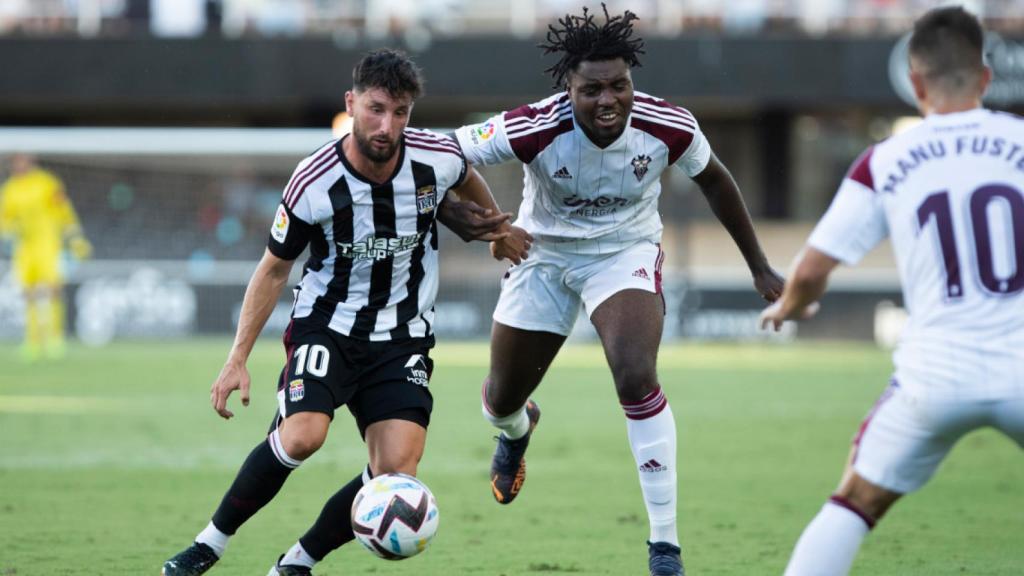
x=641 y=273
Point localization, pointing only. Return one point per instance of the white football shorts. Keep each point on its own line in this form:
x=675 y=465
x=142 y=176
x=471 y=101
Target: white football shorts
x=545 y=291
x=906 y=435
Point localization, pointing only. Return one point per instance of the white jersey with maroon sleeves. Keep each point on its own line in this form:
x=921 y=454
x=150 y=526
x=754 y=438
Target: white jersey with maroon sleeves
x=581 y=198
x=950 y=195
x=372 y=268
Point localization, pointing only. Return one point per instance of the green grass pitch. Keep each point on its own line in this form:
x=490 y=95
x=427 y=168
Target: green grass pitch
x=112 y=460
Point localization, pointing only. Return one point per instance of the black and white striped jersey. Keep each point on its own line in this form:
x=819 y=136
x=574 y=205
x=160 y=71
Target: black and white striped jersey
x=372 y=268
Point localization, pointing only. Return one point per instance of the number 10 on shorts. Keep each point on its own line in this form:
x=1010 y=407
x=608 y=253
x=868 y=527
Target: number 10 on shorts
x=312 y=358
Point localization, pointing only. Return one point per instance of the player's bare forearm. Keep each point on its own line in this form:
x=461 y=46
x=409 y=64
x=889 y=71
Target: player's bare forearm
x=806 y=283
x=261 y=297
x=475 y=189
x=726 y=201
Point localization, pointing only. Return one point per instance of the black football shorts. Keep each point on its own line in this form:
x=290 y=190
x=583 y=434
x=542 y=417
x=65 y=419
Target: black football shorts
x=376 y=380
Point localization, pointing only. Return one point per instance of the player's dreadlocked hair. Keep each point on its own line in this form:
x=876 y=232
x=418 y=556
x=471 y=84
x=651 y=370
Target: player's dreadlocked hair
x=579 y=38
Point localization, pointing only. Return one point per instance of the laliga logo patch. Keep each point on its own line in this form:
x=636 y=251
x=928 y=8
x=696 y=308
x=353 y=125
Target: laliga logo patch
x=296 y=390
x=279 y=230
x=483 y=132
x=640 y=166
x=426 y=198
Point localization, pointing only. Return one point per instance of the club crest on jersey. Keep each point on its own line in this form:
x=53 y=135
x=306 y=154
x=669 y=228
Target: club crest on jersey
x=296 y=390
x=640 y=166
x=280 y=228
x=426 y=198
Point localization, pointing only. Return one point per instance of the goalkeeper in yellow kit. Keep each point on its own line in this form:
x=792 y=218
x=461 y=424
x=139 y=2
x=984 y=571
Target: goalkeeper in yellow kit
x=39 y=219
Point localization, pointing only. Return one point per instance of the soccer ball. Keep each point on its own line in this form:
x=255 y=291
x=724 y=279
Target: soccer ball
x=394 y=516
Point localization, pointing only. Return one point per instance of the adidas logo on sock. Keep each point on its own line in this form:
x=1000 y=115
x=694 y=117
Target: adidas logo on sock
x=652 y=465
x=562 y=172
x=641 y=273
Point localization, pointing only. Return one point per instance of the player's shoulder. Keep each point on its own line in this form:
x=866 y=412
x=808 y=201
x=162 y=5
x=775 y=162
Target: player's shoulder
x=646 y=104
x=331 y=144
x=547 y=110
x=1004 y=118
x=860 y=169
x=430 y=142
x=662 y=119
x=530 y=129
x=322 y=153
x=43 y=176
x=674 y=125
x=312 y=171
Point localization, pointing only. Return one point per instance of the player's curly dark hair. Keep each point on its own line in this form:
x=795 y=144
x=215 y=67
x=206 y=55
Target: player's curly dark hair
x=579 y=38
x=390 y=70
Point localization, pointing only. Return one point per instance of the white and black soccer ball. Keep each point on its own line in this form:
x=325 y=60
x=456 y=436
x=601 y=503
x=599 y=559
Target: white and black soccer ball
x=394 y=516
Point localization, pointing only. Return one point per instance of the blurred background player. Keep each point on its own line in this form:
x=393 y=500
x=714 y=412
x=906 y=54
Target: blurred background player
x=593 y=156
x=950 y=195
x=361 y=329
x=38 y=218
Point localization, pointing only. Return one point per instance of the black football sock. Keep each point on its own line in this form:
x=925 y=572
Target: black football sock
x=257 y=482
x=334 y=526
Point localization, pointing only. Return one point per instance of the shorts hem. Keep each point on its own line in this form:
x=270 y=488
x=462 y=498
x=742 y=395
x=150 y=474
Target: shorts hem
x=897 y=487
x=532 y=326
x=416 y=414
x=601 y=299
x=300 y=409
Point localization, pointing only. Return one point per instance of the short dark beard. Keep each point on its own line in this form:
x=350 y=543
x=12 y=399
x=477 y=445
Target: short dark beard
x=367 y=149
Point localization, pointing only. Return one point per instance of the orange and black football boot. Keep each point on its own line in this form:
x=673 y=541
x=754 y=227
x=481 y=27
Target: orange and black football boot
x=508 y=466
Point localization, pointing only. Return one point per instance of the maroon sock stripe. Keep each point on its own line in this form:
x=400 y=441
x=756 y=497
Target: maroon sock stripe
x=657 y=269
x=650 y=405
x=843 y=502
x=651 y=396
x=483 y=399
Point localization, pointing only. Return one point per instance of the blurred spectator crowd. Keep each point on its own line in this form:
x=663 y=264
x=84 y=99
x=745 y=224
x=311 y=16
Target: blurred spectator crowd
x=418 y=21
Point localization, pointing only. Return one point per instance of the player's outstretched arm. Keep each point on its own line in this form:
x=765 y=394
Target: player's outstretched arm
x=475 y=215
x=807 y=282
x=723 y=195
x=260 y=298
x=507 y=241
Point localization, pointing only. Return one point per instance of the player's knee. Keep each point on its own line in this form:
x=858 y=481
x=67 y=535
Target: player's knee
x=495 y=402
x=866 y=498
x=301 y=437
x=634 y=381
x=299 y=447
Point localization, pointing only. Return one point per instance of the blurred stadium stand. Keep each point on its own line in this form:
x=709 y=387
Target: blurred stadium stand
x=788 y=92
x=422 y=20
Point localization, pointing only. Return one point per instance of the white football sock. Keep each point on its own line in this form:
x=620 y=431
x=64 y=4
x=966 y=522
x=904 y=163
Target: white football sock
x=297 y=556
x=213 y=538
x=830 y=542
x=513 y=426
x=652 y=437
